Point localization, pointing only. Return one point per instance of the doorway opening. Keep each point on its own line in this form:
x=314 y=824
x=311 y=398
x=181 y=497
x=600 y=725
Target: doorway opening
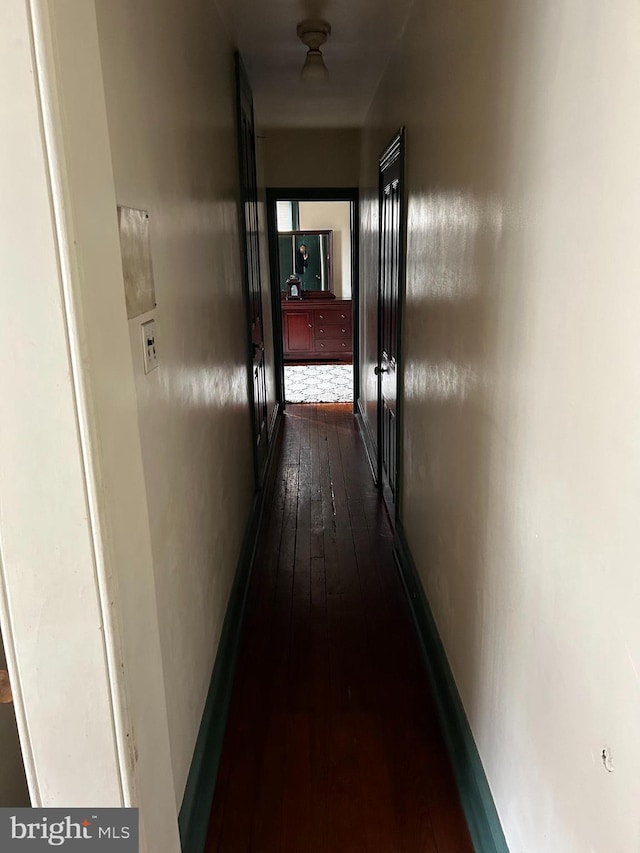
x=313 y=251
x=13 y=782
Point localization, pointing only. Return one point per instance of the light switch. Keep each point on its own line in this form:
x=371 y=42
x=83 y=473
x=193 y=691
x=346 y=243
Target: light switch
x=149 y=346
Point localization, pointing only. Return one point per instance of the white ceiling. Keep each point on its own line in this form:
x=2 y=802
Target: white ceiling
x=364 y=33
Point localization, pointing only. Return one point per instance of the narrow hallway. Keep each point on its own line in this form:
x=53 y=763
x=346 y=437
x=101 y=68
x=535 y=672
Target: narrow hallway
x=332 y=742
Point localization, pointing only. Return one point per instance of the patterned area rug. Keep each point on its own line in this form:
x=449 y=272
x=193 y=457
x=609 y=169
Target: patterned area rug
x=318 y=383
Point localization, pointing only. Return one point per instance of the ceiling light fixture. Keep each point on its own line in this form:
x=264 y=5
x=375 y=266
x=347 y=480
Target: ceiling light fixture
x=314 y=34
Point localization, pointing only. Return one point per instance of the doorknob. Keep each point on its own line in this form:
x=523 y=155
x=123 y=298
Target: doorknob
x=378 y=370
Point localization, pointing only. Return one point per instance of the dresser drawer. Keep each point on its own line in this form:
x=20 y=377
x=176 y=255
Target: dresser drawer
x=322 y=316
x=333 y=346
x=324 y=331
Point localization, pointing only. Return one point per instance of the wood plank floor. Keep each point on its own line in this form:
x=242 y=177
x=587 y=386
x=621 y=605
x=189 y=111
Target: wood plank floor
x=332 y=744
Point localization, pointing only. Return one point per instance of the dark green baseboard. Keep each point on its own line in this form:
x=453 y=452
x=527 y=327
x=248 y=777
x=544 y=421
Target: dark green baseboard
x=193 y=820
x=475 y=795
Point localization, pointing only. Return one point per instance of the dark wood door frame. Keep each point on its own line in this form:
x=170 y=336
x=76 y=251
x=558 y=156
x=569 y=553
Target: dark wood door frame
x=392 y=158
x=351 y=194
x=251 y=271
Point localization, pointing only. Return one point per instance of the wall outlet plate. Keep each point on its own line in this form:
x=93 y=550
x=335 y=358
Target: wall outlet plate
x=149 y=345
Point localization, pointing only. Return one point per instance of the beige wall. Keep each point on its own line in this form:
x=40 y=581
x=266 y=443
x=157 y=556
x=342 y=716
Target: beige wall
x=521 y=456
x=311 y=158
x=169 y=83
x=334 y=216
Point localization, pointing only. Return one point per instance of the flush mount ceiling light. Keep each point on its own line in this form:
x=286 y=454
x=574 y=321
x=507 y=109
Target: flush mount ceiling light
x=314 y=34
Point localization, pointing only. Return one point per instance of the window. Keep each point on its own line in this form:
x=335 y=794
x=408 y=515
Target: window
x=287 y=215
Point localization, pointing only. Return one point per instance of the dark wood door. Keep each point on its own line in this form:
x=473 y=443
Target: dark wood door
x=390 y=295
x=298 y=331
x=249 y=238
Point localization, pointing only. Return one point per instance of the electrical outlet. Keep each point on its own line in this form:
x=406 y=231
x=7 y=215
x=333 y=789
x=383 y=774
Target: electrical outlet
x=149 y=346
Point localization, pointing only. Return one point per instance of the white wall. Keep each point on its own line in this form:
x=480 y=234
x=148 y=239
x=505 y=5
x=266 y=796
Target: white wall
x=77 y=596
x=169 y=83
x=521 y=455
x=335 y=216
x=311 y=158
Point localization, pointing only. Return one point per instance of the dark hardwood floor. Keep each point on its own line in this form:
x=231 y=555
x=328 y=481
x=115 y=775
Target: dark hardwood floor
x=332 y=742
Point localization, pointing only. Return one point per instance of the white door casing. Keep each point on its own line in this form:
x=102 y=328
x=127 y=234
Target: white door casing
x=77 y=595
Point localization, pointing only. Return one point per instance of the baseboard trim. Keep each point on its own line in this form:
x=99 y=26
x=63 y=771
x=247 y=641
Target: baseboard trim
x=479 y=809
x=275 y=420
x=365 y=432
x=193 y=820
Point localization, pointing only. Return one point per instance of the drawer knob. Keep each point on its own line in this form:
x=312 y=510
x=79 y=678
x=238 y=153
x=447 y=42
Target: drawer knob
x=344 y=345
x=321 y=345
x=344 y=331
x=322 y=316
x=322 y=331
x=310 y=326
x=343 y=317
